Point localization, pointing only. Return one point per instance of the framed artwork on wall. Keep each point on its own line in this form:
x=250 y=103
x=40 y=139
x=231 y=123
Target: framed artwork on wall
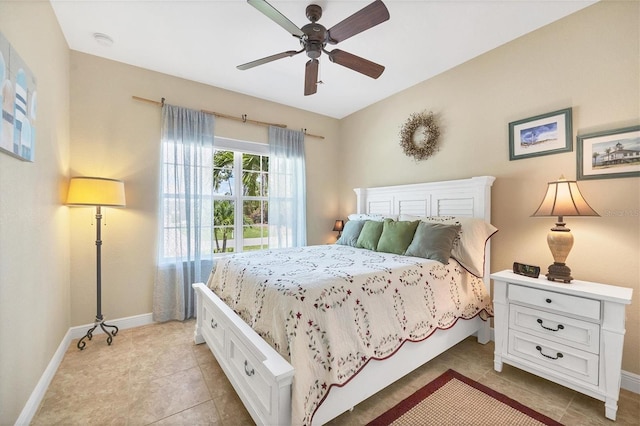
x=543 y=134
x=609 y=154
x=18 y=103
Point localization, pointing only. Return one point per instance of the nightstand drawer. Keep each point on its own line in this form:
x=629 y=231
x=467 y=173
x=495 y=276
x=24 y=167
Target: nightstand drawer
x=554 y=356
x=573 y=332
x=561 y=303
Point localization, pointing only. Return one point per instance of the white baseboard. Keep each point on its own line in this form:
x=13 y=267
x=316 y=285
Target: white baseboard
x=31 y=407
x=630 y=382
x=123 y=323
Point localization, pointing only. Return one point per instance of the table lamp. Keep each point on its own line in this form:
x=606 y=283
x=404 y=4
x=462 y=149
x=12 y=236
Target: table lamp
x=563 y=198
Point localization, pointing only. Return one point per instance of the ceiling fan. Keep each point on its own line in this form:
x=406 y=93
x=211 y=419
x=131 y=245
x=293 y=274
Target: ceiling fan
x=314 y=37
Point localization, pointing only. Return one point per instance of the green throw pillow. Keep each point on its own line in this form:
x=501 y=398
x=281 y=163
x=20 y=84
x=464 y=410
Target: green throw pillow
x=370 y=235
x=351 y=232
x=433 y=241
x=396 y=236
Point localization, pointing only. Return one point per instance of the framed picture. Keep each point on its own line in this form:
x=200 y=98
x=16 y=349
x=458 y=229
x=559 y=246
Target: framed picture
x=541 y=135
x=18 y=100
x=609 y=154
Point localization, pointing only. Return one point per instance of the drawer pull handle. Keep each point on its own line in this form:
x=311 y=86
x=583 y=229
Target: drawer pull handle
x=559 y=355
x=560 y=326
x=246 y=369
x=548 y=300
x=214 y=324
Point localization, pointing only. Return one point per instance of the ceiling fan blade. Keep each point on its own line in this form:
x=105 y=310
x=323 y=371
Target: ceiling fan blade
x=367 y=17
x=277 y=17
x=268 y=59
x=311 y=77
x=356 y=63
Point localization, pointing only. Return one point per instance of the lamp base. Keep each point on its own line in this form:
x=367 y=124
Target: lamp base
x=559 y=272
x=99 y=322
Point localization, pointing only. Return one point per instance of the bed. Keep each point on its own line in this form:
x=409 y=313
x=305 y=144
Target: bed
x=332 y=377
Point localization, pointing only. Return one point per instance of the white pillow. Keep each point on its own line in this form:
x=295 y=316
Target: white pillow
x=470 y=246
x=374 y=217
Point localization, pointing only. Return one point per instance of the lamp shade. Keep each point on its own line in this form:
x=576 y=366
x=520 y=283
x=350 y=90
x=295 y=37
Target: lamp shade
x=563 y=198
x=339 y=225
x=95 y=191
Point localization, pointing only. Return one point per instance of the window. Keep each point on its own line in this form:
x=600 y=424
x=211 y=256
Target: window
x=240 y=196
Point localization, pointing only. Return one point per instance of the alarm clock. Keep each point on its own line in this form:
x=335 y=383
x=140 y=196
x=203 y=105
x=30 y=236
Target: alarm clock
x=526 y=270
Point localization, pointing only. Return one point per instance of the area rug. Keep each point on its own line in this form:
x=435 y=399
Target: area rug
x=453 y=399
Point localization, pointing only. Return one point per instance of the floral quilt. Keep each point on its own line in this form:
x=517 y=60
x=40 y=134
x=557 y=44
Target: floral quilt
x=330 y=309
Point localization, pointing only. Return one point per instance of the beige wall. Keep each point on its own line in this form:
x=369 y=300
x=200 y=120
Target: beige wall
x=34 y=226
x=588 y=61
x=115 y=136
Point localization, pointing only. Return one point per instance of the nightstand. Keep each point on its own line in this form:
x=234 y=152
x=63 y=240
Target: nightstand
x=571 y=334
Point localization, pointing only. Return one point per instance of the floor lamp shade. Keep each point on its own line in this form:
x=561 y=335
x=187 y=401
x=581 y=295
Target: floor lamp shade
x=97 y=192
x=563 y=198
x=94 y=191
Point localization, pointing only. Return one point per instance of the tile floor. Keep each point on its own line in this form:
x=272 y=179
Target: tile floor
x=156 y=375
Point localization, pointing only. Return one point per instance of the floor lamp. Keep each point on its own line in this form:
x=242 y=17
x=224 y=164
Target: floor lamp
x=98 y=192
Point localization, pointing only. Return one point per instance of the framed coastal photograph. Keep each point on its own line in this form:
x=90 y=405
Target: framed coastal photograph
x=544 y=134
x=609 y=154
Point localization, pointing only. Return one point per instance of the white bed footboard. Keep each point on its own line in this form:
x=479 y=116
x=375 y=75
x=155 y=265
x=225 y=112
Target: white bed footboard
x=260 y=376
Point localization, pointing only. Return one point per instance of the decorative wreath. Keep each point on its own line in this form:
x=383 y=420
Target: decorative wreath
x=427 y=146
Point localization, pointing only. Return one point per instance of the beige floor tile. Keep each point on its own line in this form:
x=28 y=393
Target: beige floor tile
x=215 y=379
x=155 y=362
x=154 y=400
x=203 y=414
x=231 y=410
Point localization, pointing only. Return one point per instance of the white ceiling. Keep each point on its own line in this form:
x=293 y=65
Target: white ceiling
x=204 y=40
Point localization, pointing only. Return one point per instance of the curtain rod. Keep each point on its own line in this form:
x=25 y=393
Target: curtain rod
x=244 y=118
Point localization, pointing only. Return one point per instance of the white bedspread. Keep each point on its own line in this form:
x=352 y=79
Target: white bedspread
x=330 y=309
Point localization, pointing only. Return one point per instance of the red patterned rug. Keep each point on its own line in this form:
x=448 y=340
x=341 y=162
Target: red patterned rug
x=453 y=399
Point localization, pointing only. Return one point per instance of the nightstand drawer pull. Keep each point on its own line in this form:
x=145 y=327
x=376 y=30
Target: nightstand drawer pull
x=214 y=324
x=246 y=369
x=559 y=355
x=548 y=300
x=560 y=326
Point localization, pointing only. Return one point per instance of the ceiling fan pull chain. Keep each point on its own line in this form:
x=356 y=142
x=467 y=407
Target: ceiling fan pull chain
x=319 y=74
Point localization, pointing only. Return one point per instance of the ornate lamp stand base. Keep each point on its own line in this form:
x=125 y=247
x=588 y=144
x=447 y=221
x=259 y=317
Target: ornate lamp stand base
x=99 y=322
x=559 y=272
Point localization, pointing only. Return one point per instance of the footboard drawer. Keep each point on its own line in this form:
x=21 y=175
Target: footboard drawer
x=214 y=326
x=250 y=374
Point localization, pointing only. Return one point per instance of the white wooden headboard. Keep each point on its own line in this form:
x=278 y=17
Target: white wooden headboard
x=463 y=197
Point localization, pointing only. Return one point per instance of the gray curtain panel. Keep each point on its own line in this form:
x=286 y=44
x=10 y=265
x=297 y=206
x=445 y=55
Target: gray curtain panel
x=287 y=189
x=185 y=234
